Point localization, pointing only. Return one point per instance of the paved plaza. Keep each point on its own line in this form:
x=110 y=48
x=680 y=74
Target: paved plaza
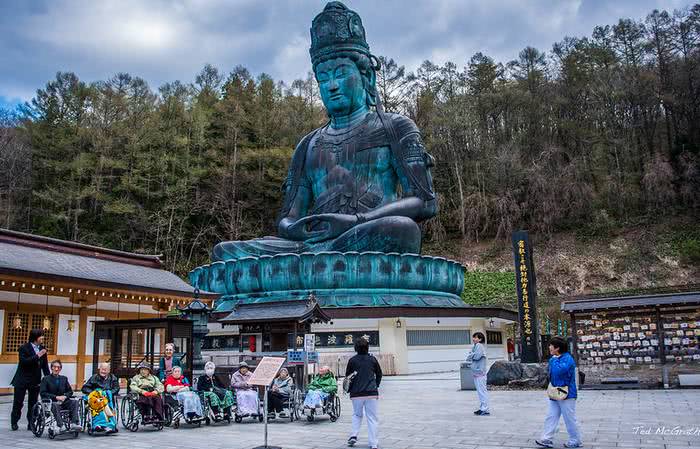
x=421 y=412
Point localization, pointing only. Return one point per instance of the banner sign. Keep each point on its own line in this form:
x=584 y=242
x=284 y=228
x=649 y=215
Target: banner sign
x=527 y=297
x=337 y=339
x=309 y=342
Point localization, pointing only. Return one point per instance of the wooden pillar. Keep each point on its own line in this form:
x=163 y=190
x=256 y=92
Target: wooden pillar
x=82 y=339
x=574 y=335
x=660 y=335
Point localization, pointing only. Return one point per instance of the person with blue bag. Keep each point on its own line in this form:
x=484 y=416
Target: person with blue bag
x=562 y=395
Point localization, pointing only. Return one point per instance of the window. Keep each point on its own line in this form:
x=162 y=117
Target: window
x=438 y=337
x=494 y=338
x=14 y=338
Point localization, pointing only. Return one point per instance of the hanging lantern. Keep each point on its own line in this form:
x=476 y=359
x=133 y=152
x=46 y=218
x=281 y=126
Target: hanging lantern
x=17 y=322
x=47 y=323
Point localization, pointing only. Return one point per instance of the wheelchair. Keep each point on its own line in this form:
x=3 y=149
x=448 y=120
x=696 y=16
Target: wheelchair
x=86 y=415
x=131 y=416
x=211 y=415
x=292 y=404
x=174 y=412
x=330 y=407
x=42 y=417
x=238 y=417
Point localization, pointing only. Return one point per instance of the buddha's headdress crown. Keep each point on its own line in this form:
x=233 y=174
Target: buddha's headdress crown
x=336 y=30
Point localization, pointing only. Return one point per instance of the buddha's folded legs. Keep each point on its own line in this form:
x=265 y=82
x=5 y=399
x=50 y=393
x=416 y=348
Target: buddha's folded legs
x=387 y=235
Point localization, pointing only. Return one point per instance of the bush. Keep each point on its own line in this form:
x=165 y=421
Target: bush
x=483 y=287
x=689 y=250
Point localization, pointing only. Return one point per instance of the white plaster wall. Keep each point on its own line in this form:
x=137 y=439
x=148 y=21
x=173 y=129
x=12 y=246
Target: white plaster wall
x=88 y=371
x=342 y=325
x=90 y=334
x=427 y=359
x=442 y=322
x=7 y=370
x=69 y=371
x=67 y=341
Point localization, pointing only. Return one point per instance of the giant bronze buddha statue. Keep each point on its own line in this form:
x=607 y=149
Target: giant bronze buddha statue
x=360 y=183
x=354 y=195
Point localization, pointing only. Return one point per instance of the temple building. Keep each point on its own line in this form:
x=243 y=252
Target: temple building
x=63 y=287
x=405 y=340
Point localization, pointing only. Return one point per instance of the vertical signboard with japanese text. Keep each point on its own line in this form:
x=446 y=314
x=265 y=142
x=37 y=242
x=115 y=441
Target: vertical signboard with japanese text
x=527 y=297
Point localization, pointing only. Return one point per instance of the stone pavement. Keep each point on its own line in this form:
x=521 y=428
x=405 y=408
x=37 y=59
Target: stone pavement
x=428 y=412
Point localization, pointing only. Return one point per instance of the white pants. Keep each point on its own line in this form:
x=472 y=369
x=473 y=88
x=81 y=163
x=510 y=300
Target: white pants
x=480 y=383
x=567 y=410
x=367 y=407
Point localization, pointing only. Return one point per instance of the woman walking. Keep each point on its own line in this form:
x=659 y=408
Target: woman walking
x=364 y=392
x=562 y=393
x=477 y=359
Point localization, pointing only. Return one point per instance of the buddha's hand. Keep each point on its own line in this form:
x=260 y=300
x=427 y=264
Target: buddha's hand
x=326 y=226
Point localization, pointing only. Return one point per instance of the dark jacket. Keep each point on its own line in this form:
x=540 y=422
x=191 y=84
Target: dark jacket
x=30 y=367
x=52 y=386
x=110 y=383
x=177 y=361
x=206 y=383
x=369 y=376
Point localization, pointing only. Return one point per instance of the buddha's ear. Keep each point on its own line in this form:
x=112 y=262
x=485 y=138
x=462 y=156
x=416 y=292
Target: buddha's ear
x=370 y=77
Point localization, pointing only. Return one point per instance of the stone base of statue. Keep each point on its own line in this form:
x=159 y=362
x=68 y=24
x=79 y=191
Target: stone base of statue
x=342 y=280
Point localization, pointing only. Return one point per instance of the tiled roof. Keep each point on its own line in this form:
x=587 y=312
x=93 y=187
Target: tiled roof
x=22 y=254
x=301 y=310
x=586 y=304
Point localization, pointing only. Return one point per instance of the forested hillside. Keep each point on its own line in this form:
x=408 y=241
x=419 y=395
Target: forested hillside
x=594 y=135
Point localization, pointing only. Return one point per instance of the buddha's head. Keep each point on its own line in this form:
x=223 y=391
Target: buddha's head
x=344 y=67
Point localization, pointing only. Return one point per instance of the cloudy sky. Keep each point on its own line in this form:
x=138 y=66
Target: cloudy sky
x=165 y=40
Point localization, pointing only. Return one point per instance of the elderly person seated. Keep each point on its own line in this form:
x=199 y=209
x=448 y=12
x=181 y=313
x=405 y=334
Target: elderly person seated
x=148 y=387
x=177 y=385
x=57 y=389
x=168 y=362
x=321 y=386
x=246 y=394
x=100 y=390
x=279 y=393
x=220 y=399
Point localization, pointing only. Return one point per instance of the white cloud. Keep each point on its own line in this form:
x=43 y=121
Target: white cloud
x=163 y=40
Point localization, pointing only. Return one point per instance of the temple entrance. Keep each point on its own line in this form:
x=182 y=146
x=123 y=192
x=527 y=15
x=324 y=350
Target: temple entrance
x=127 y=343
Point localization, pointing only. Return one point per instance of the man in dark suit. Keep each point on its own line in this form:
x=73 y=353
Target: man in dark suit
x=32 y=361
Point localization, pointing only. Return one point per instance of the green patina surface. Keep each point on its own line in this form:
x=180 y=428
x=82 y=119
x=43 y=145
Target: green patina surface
x=354 y=195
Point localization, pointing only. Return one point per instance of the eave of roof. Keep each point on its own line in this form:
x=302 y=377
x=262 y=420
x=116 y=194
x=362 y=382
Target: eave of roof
x=396 y=312
x=50 y=260
x=79 y=249
x=270 y=312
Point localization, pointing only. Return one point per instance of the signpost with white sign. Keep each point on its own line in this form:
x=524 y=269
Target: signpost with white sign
x=309 y=346
x=264 y=374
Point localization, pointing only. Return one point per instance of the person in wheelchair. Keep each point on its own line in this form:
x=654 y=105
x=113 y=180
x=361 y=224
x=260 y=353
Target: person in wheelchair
x=220 y=399
x=278 y=395
x=149 y=388
x=180 y=394
x=57 y=389
x=247 y=400
x=100 y=391
x=322 y=386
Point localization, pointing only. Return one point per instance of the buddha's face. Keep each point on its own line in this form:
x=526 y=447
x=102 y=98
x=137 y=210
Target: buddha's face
x=341 y=86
